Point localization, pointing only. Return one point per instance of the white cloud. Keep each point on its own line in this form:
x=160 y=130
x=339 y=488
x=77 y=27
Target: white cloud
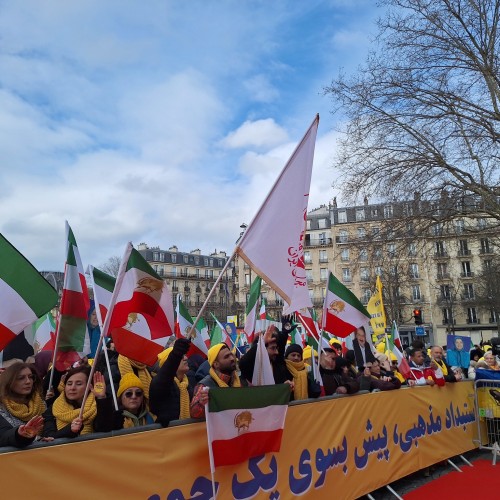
x=260 y=133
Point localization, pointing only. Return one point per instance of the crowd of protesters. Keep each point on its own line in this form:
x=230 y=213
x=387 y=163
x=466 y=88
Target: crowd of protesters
x=38 y=402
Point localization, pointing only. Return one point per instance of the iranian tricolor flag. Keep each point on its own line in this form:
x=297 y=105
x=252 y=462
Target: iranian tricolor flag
x=273 y=243
x=251 y=312
x=141 y=313
x=200 y=341
x=342 y=310
x=219 y=334
x=262 y=370
x=395 y=336
x=25 y=295
x=41 y=335
x=103 y=285
x=308 y=318
x=403 y=366
x=72 y=339
x=245 y=422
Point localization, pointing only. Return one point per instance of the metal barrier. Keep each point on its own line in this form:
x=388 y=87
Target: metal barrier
x=487 y=403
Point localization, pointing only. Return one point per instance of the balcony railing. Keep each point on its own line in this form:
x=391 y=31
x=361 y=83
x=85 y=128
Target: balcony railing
x=467 y=274
x=441 y=255
x=464 y=253
x=443 y=276
x=319 y=243
x=473 y=321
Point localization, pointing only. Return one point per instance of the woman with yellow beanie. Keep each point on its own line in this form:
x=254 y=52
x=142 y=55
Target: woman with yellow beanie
x=62 y=419
x=170 y=389
x=132 y=404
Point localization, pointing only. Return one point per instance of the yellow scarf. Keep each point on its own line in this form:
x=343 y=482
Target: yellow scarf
x=296 y=368
x=131 y=420
x=399 y=376
x=235 y=380
x=65 y=413
x=184 y=402
x=127 y=365
x=24 y=412
x=443 y=367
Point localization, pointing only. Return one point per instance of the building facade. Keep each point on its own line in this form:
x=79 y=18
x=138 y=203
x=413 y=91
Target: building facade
x=435 y=268
x=193 y=275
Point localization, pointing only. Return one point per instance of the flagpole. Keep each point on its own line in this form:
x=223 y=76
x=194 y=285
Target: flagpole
x=105 y=351
x=210 y=450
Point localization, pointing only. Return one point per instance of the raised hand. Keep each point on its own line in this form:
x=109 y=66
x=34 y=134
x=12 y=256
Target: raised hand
x=32 y=428
x=99 y=387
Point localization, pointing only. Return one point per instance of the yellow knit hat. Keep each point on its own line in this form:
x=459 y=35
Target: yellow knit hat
x=392 y=356
x=380 y=347
x=306 y=354
x=335 y=341
x=127 y=381
x=162 y=357
x=213 y=352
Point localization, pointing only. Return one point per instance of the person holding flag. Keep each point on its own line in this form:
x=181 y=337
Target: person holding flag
x=170 y=390
x=303 y=385
x=222 y=373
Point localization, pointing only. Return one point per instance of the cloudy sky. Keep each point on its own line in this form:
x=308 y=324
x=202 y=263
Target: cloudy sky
x=164 y=122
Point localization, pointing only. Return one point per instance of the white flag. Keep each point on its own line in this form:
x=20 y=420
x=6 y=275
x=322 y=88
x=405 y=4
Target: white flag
x=273 y=244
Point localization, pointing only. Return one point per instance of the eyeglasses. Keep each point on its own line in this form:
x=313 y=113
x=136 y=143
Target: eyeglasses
x=137 y=394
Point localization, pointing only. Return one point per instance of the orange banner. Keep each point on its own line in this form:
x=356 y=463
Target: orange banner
x=338 y=448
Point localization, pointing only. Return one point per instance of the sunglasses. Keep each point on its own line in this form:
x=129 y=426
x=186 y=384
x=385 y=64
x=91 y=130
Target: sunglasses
x=137 y=394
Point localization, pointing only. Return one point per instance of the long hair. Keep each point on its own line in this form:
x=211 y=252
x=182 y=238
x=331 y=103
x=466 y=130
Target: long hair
x=8 y=377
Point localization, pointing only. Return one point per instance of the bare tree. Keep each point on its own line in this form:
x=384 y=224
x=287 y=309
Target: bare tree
x=423 y=113
x=111 y=266
x=488 y=289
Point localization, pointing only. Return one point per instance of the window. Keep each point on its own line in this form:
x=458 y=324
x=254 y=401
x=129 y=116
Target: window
x=377 y=253
x=407 y=209
x=391 y=249
x=206 y=273
x=391 y=234
x=447 y=316
x=162 y=257
x=363 y=255
x=463 y=248
x=346 y=274
x=211 y=262
x=323 y=256
x=279 y=300
x=360 y=214
x=342 y=216
x=459 y=226
x=378 y=271
x=323 y=274
x=205 y=261
x=361 y=233
x=174 y=271
x=364 y=274
x=308 y=224
x=343 y=236
x=437 y=229
x=307 y=257
x=247 y=279
x=415 y=292
x=197 y=261
x=388 y=211
x=481 y=223
x=185 y=258
x=374 y=212
x=445 y=291
x=155 y=267
x=440 y=249
x=376 y=232
x=472 y=315
x=412 y=249
x=366 y=295
x=442 y=270
x=175 y=288
x=393 y=270
x=197 y=272
x=321 y=223
x=322 y=239
x=173 y=256
x=485 y=245
x=311 y=294
x=486 y=265
x=309 y=275
x=155 y=256
x=344 y=255
x=414 y=273
x=466 y=269
x=468 y=291
x=211 y=273
x=161 y=271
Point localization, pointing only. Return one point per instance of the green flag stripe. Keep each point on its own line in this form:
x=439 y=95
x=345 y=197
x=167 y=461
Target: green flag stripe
x=21 y=276
x=137 y=261
x=221 y=399
x=71 y=236
x=254 y=293
x=71 y=259
x=336 y=287
x=104 y=280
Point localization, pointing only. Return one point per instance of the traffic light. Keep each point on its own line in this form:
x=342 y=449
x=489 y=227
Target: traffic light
x=417 y=314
